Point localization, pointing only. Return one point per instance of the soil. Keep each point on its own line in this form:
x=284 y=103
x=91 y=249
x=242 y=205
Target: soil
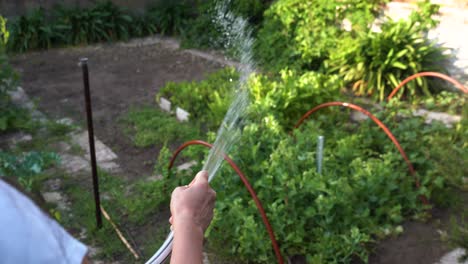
x=121 y=77
x=126 y=76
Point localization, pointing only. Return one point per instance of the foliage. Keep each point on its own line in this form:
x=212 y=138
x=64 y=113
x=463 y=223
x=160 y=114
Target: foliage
x=286 y=96
x=207 y=101
x=301 y=34
x=458 y=235
x=170 y=17
x=376 y=62
x=26 y=166
x=203 y=31
x=364 y=192
x=104 y=21
x=292 y=94
x=150 y=127
x=12 y=117
x=450 y=102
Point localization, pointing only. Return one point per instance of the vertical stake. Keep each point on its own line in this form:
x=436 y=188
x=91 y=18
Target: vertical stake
x=319 y=153
x=92 y=152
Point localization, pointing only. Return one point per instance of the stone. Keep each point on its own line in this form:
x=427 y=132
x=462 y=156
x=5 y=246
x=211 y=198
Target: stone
x=109 y=166
x=52 y=197
x=165 y=104
x=103 y=153
x=65 y=121
x=18 y=138
x=452 y=257
x=430 y=117
x=53 y=184
x=57 y=199
x=154 y=178
x=73 y=164
x=182 y=115
x=358 y=116
x=206 y=260
x=186 y=165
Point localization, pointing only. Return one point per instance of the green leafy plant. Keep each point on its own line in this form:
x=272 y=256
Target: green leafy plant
x=27 y=166
x=376 y=62
x=364 y=192
x=207 y=101
x=150 y=126
x=12 y=116
x=170 y=17
x=458 y=235
x=31 y=31
x=302 y=34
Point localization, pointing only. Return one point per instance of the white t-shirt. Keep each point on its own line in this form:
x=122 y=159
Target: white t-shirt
x=28 y=235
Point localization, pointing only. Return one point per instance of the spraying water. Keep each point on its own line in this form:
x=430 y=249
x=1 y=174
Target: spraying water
x=238 y=36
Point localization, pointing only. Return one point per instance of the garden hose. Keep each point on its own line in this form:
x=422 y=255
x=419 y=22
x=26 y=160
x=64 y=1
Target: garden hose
x=429 y=74
x=380 y=124
x=164 y=251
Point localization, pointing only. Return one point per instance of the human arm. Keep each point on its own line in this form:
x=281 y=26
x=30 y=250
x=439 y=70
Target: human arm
x=192 y=211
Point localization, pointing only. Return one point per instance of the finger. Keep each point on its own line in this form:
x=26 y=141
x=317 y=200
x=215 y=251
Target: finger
x=201 y=177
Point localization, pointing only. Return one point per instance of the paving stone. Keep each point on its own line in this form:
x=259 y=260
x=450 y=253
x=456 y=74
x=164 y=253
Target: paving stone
x=73 y=164
x=109 y=166
x=430 y=117
x=182 y=115
x=358 y=116
x=18 y=137
x=206 y=260
x=452 y=257
x=186 y=165
x=57 y=199
x=154 y=178
x=63 y=147
x=165 y=104
x=103 y=153
x=65 y=121
x=53 y=184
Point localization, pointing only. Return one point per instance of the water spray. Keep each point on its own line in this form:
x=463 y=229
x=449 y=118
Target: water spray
x=237 y=35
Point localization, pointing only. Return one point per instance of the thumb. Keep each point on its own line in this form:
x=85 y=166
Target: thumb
x=201 y=177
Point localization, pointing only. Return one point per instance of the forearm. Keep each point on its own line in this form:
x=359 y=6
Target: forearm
x=188 y=243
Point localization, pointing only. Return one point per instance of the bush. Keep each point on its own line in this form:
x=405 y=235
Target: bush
x=364 y=192
x=70 y=26
x=12 y=116
x=376 y=62
x=204 y=31
x=207 y=101
x=301 y=34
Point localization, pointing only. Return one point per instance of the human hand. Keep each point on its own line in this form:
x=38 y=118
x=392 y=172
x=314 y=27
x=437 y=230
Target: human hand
x=193 y=204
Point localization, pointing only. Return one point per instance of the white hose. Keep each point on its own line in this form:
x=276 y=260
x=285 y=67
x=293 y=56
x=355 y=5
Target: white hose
x=163 y=252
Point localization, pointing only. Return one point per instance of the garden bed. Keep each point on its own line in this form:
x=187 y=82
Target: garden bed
x=121 y=77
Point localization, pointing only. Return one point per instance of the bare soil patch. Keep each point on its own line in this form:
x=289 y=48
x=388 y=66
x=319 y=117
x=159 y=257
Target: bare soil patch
x=121 y=77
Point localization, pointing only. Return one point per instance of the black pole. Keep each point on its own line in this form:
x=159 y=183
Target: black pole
x=92 y=151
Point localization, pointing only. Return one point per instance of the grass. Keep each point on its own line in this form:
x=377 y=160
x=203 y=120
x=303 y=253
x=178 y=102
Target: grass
x=136 y=210
x=148 y=126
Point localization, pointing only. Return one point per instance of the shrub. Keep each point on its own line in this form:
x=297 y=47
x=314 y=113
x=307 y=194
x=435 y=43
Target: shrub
x=12 y=116
x=364 y=192
x=301 y=34
x=207 y=101
x=376 y=62
x=203 y=31
x=170 y=17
